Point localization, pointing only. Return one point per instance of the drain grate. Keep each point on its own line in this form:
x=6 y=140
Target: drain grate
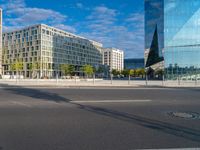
x=186 y=115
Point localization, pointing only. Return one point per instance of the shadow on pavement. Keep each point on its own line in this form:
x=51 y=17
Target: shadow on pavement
x=176 y=130
x=165 y=127
x=34 y=93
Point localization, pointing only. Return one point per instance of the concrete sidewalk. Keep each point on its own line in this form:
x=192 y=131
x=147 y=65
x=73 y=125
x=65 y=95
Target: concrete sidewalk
x=96 y=83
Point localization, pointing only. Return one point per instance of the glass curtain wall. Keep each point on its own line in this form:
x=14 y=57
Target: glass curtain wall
x=154 y=23
x=182 y=39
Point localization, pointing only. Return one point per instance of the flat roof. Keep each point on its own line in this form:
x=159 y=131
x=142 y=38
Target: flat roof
x=31 y=26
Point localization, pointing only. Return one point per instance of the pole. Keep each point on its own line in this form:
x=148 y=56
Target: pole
x=56 y=77
x=195 y=79
x=163 y=79
x=129 y=78
x=179 y=80
x=75 y=79
x=111 y=76
x=146 y=79
x=93 y=78
x=37 y=77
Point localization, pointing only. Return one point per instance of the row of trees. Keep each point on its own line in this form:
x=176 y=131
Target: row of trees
x=66 y=69
x=88 y=70
x=18 y=67
x=130 y=72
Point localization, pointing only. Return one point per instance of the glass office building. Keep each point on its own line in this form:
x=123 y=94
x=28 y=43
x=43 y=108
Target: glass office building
x=154 y=32
x=0 y=42
x=178 y=32
x=134 y=63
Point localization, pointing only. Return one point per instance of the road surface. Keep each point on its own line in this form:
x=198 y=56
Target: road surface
x=98 y=119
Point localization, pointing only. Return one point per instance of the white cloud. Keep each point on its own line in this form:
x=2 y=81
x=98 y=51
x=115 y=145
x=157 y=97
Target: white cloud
x=35 y=15
x=19 y=15
x=65 y=27
x=104 y=27
x=102 y=24
x=79 y=5
x=135 y=17
x=102 y=15
x=11 y=28
x=12 y=4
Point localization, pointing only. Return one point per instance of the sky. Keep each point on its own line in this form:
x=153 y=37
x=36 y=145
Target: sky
x=114 y=23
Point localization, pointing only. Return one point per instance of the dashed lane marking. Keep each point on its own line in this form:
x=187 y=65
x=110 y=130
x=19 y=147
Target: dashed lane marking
x=111 y=101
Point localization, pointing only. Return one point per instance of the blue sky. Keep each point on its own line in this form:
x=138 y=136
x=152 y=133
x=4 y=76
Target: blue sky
x=115 y=23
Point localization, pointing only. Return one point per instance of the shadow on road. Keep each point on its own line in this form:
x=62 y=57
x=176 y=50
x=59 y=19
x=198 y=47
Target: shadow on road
x=165 y=127
x=34 y=93
x=176 y=130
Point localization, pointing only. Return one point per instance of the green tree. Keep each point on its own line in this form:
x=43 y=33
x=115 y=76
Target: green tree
x=12 y=68
x=67 y=69
x=100 y=69
x=88 y=70
x=131 y=72
x=159 y=73
x=128 y=72
x=17 y=66
x=142 y=72
x=115 y=72
x=34 y=67
x=137 y=72
x=125 y=72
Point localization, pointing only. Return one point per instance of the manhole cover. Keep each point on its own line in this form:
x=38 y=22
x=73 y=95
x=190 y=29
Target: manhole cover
x=186 y=115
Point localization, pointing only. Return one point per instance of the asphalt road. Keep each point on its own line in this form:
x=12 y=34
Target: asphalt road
x=97 y=119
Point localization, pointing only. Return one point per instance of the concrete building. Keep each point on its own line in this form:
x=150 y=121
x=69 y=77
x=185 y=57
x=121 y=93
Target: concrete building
x=49 y=47
x=1 y=41
x=114 y=58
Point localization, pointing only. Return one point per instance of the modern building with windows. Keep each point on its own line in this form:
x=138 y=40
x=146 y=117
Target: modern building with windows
x=134 y=63
x=114 y=58
x=1 y=41
x=172 y=30
x=154 y=34
x=49 y=47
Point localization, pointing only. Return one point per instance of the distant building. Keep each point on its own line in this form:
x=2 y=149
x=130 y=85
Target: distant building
x=1 y=41
x=49 y=47
x=134 y=63
x=114 y=58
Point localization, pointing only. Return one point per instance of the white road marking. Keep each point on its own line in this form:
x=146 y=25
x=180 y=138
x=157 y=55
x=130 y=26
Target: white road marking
x=110 y=101
x=174 y=149
x=20 y=103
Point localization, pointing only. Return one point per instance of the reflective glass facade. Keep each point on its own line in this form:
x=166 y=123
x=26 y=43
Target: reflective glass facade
x=182 y=38
x=154 y=18
x=134 y=63
x=178 y=23
x=154 y=32
x=0 y=42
